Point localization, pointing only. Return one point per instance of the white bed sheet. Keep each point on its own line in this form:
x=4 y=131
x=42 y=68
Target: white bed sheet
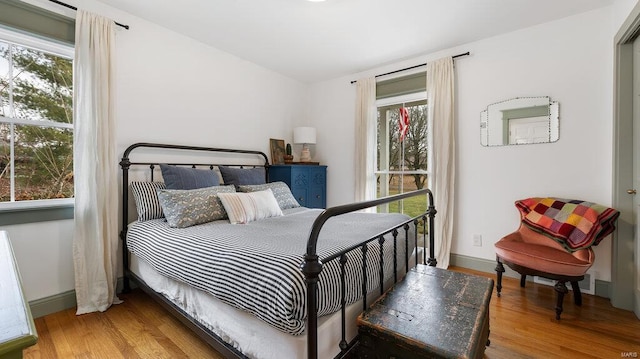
x=253 y=337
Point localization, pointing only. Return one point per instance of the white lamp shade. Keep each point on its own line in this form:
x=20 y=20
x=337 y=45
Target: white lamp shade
x=302 y=135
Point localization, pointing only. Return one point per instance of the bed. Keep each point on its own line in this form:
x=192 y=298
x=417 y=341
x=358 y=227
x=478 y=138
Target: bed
x=244 y=287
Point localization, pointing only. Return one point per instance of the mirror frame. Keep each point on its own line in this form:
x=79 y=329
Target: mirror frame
x=550 y=109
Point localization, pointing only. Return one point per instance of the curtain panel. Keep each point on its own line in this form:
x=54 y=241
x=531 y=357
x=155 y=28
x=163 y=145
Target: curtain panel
x=366 y=113
x=441 y=102
x=95 y=240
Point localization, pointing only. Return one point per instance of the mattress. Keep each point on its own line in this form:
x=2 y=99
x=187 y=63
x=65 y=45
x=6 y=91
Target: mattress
x=255 y=267
x=250 y=335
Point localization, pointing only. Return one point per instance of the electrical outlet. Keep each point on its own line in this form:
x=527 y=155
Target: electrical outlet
x=477 y=240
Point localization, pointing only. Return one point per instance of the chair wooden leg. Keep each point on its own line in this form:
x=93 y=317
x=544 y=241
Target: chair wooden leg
x=561 y=288
x=577 y=295
x=499 y=270
x=523 y=280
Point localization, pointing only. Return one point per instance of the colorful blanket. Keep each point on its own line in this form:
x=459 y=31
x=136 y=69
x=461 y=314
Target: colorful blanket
x=573 y=223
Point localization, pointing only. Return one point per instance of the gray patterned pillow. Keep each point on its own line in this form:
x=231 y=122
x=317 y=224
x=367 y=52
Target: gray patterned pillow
x=185 y=208
x=280 y=190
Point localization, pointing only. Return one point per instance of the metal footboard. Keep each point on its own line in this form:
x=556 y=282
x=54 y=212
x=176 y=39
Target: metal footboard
x=312 y=266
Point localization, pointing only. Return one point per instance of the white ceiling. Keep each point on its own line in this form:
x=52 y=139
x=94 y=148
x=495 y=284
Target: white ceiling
x=313 y=41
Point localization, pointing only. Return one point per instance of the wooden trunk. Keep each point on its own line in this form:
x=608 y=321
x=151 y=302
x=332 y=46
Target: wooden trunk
x=431 y=313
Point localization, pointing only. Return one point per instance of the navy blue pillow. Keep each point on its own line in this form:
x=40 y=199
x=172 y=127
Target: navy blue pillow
x=243 y=176
x=188 y=178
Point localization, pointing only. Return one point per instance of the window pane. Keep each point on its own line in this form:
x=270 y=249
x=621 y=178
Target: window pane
x=35 y=86
x=397 y=154
x=5 y=162
x=43 y=163
x=42 y=88
x=415 y=141
x=401 y=184
x=4 y=79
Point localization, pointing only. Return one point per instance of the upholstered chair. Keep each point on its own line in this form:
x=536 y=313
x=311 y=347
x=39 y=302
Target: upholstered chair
x=554 y=241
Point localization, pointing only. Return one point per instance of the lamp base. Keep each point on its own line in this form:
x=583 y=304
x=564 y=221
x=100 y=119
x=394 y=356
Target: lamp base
x=305 y=155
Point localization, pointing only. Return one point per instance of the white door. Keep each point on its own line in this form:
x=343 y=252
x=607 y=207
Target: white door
x=625 y=270
x=528 y=130
x=636 y=166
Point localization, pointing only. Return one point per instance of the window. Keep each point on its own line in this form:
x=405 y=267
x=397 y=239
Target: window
x=402 y=160
x=36 y=121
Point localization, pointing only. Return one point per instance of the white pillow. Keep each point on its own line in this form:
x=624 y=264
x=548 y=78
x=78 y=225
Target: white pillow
x=248 y=207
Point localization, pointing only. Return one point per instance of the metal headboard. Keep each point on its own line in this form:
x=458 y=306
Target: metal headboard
x=126 y=164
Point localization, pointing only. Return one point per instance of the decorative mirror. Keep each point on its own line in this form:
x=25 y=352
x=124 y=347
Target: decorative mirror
x=521 y=120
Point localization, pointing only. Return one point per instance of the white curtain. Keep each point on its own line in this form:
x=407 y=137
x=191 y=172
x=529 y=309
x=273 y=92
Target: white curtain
x=95 y=240
x=440 y=99
x=366 y=114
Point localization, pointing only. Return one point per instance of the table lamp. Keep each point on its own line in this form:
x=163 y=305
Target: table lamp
x=304 y=136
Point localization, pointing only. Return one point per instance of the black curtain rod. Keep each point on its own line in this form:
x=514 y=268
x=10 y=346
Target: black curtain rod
x=412 y=67
x=76 y=9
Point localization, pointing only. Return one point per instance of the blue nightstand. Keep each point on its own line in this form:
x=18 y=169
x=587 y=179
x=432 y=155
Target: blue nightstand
x=308 y=183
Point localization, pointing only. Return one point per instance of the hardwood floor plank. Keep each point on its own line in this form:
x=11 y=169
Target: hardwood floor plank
x=103 y=338
x=46 y=347
x=172 y=328
x=59 y=329
x=147 y=341
x=522 y=323
x=89 y=337
x=112 y=332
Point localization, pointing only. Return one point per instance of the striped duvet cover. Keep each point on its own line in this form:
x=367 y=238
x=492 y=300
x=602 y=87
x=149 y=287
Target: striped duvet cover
x=256 y=266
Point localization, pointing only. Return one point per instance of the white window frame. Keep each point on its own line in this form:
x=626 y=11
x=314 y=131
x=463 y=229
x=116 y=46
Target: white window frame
x=54 y=48
x=397 y=100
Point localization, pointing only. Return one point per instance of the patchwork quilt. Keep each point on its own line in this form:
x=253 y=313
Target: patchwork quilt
x=575 y=224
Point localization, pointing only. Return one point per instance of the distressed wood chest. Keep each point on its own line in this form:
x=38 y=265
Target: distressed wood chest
x=431 y=313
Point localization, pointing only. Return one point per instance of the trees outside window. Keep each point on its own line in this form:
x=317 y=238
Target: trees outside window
x=402 y=160
x=36 y=124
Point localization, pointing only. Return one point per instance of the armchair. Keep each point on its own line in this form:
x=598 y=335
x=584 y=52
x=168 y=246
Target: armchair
x=554 y=241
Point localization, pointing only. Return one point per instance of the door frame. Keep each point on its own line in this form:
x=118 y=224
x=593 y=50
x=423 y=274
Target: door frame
x=623 y=270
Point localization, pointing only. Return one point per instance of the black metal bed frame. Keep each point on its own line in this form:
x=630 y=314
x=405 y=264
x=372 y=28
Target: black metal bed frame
x=311 y=265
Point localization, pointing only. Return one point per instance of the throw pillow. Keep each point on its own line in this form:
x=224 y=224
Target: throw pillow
x=243 y=176
x=185 y=208
x=280 y=190
x=243 y=208
x=145 y=196
x=188 y=178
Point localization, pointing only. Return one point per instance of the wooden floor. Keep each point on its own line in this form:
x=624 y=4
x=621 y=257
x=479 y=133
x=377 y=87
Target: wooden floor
x=522 y=326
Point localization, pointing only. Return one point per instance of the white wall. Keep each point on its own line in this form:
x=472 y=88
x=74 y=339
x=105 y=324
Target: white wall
x=174 y=89
x=170 y=88
x=569 y=60
x=621 y=10
x=43 y=254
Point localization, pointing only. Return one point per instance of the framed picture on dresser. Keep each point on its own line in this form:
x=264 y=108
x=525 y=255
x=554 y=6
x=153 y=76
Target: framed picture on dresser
x=277 y=151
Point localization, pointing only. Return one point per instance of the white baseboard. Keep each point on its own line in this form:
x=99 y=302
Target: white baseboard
x=59 y=302
x=587 y=285
x=67 y=300
x=599 y=287
x=52 y=304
